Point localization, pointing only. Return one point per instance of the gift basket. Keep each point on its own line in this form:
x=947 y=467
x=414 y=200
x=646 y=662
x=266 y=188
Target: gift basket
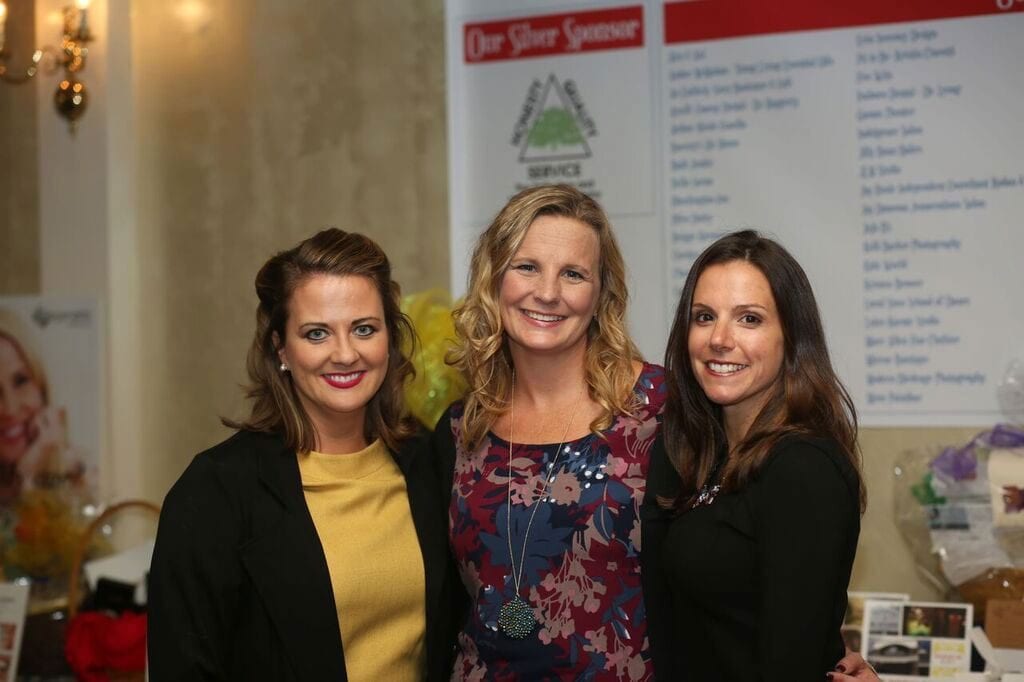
x=106 y=632
x=961 y=507
x=38 y=532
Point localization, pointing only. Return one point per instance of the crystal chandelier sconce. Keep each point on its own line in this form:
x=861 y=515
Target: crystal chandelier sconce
x=71 y=97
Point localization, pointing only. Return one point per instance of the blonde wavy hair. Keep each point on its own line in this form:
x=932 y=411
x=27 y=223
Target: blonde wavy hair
x=481 y=352
x=15 y=331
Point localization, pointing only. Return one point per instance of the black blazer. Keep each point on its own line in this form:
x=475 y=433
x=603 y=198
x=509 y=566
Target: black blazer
x=239 y=585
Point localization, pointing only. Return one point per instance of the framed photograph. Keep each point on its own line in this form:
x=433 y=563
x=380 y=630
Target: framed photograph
x=908 y=640
x=853 y=622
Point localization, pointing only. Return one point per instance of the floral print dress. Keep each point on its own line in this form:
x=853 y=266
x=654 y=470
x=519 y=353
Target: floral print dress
x=581 y=573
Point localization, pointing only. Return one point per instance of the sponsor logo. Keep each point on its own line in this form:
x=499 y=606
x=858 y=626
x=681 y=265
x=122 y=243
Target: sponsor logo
x=44 y=317
x=552 y=133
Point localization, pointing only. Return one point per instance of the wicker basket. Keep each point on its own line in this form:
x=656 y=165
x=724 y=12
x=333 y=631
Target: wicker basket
x=84 y=543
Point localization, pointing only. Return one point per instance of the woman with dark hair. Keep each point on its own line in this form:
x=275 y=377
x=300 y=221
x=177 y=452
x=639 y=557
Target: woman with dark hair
x=754 y=498
x=310 y=544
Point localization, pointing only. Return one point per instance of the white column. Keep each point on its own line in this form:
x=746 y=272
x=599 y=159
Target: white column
x=88 y=232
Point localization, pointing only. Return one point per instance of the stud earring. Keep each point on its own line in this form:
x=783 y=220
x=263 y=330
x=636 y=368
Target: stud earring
x=284 y=367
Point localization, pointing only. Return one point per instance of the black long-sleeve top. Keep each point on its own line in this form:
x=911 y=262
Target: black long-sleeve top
x=753 y=586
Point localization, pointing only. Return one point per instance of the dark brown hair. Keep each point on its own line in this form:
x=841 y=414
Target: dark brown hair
x=807 y=398
x=276 y=407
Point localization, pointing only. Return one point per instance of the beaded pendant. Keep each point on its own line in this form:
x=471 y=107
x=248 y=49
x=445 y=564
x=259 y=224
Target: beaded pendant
x=707 y=495
x=516 y=618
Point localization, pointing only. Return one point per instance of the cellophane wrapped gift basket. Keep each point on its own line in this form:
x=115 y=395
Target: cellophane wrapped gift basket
x=961 y=507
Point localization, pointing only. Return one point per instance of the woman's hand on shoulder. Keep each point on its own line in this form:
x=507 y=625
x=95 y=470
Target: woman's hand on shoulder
x=852 y=667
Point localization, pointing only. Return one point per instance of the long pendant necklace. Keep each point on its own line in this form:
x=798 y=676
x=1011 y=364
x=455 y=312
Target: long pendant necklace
x=516 y=617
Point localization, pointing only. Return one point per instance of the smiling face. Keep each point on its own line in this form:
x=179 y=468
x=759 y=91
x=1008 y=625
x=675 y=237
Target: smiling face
x=735 y=341
x=336 y=348
x=21 y=399
x=550 y=291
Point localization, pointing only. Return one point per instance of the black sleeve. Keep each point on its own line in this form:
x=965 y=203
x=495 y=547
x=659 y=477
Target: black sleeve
x=808 y=520
x=662 y=480
x=194 y=580
x=442 y=445
x=443 y=450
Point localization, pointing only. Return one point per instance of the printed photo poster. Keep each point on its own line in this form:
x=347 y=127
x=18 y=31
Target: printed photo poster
x=917 y=640
x=13 y=602
x=50 y=431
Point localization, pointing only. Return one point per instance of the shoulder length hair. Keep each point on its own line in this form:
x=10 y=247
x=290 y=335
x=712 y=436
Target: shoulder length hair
x=481 y=352
x=807 y=398
x=276 y=407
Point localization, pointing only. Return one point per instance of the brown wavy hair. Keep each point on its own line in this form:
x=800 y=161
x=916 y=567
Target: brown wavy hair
x=481 y=352
x=807 y=399
x=276 y=407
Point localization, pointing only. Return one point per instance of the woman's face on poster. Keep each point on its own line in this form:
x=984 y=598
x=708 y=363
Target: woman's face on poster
x=21 y=399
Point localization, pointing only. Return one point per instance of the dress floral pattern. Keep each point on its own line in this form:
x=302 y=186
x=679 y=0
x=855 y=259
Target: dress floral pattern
x=581 y=574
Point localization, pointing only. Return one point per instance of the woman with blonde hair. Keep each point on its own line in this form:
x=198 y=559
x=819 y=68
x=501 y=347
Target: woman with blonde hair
x=547 y=455
x=33 y=434
x=310 y=544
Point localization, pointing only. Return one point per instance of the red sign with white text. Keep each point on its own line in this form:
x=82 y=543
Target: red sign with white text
x=716 y=19
x=554 y=34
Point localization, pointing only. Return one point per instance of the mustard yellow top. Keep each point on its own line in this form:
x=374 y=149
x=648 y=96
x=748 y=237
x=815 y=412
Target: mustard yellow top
x=361 y=512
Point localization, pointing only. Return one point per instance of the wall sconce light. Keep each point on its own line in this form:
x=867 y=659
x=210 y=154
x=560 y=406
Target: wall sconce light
x=71 y=97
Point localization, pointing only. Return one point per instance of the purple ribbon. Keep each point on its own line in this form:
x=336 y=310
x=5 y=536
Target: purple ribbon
x=957 y=464
x=1004 y=436
x=961 y=464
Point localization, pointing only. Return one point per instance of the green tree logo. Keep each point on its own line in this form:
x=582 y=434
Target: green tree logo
x=555 y=127
x=550 y=127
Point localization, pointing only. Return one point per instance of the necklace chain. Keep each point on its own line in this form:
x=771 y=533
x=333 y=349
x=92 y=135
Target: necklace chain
x=548 y=480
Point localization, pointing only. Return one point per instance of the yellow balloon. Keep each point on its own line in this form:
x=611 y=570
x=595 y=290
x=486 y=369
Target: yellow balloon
x=436 y=384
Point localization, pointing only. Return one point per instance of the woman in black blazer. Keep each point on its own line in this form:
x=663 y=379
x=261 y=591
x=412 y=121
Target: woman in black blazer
x=311 y=544
x=754 y=495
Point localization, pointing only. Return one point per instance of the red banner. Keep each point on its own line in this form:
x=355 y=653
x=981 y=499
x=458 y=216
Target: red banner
x=554 y=34
x=715 y=19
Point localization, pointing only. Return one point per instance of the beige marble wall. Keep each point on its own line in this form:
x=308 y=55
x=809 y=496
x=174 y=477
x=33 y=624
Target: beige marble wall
x=19 y=169
x=259 y=123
